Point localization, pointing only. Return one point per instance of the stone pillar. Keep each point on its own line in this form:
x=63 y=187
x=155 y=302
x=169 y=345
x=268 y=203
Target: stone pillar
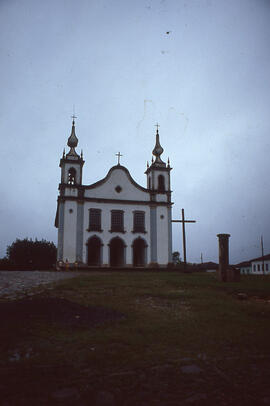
x=223 y=240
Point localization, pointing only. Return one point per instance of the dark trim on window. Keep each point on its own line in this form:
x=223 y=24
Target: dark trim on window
x=117 y=221
x=138 y=221
x=94 y=219
x=91 y=229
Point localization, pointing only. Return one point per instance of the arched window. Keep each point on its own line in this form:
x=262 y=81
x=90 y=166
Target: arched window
x=71 y=176
x=161 y=183
x=149 y=183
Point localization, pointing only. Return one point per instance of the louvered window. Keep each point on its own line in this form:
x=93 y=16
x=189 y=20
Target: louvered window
x=139 y=222
x=117 y=220
x=95 y=220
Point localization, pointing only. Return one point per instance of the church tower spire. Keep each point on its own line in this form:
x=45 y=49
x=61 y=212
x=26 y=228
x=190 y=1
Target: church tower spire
x=158 y=174
x=158 y=150
x=71 y=163
x=72 y=140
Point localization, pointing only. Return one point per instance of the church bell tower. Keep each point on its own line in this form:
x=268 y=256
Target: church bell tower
x=71 y=164
x=158 y=173
x=69 y=215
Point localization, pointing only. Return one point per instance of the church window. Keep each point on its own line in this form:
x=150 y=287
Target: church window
x=149 y=183
x=138 y=222
x=117 y=220
x=71 y=176
x=266 y=267
x=118 y=189
x=161 y=183
x=94 y=220
x=258 y=267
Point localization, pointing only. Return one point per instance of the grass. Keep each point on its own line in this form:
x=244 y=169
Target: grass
x=171 y=320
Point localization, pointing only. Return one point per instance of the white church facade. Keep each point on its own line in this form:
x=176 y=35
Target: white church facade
x=114 y=222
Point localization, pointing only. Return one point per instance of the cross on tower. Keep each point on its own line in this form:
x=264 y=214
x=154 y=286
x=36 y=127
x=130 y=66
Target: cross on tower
x=73 y=117
x=157 y=125
x=183 y=221
x=118 y=155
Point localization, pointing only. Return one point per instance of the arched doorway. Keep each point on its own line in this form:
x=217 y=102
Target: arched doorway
x=117 y=252
x=94 y=251
x=139 y=252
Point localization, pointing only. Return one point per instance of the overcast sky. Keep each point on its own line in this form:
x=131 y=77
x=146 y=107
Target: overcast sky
x=201 y=69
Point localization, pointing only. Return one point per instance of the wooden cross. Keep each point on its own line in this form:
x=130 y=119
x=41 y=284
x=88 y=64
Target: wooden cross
x=118 y=155
x=183 y=221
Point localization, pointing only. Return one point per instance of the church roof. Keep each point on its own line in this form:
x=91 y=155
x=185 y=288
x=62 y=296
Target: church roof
x=113 y=168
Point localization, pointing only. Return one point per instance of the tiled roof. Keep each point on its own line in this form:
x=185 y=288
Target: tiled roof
x=244 y=263
x=265 y=257
x=248 y=263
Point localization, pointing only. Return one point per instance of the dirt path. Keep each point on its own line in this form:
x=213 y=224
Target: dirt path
x=14 y=284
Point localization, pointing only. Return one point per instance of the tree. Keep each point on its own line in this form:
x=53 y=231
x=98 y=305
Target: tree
x=176 y=257
x=29 y=254
x=5 y=264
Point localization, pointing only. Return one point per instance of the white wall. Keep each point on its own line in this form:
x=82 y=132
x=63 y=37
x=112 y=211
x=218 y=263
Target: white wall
x=118 y=177
x=161 y=197
x=70 y=222
x=259 y=272
x=71 y=191
x=245 y=270
x=162 y=235
x=106 y=236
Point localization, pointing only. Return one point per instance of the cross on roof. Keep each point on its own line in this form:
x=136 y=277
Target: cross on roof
x=157 y=125
x=118 y=155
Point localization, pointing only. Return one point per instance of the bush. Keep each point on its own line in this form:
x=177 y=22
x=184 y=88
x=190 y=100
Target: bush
x=28 y=254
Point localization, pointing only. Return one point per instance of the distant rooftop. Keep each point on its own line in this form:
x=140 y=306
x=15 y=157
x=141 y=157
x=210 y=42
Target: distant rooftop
x=248 y=263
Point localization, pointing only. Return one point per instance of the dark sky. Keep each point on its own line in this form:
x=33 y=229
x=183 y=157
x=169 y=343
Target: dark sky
x=198 y=68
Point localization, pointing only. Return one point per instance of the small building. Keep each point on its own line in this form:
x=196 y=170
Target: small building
x=114 y=221
x=260 y=265
x=256 y=266
x=208 y=266
x=245 y=267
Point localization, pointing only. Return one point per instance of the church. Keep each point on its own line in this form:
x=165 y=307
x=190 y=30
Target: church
x=114 y=222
